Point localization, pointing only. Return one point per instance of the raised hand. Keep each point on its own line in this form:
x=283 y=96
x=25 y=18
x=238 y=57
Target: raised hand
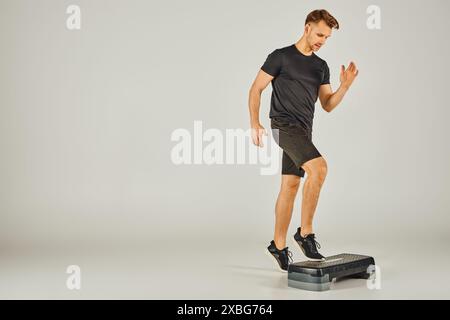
x=348 y=75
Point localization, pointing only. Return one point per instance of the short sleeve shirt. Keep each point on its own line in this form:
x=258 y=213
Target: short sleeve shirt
x=295 y=86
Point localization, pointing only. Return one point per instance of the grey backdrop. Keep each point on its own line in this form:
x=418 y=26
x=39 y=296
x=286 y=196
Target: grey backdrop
x=86 y=118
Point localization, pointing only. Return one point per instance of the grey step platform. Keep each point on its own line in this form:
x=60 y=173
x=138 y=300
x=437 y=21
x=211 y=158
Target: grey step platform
x=318 y=275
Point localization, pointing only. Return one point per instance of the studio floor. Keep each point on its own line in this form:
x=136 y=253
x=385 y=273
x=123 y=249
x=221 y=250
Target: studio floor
x=219 y=270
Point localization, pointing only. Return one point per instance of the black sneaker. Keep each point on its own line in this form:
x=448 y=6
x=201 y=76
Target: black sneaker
x=282 y=257
x=309 y=246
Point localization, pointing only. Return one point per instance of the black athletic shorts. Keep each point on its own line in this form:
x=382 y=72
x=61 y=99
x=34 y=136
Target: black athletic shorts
x=297 y=146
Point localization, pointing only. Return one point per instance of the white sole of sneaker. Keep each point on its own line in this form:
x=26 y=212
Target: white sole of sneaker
x=274 y=259
x=303 y=250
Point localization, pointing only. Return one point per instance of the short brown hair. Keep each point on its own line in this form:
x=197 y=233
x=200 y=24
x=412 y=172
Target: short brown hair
x=322 y=14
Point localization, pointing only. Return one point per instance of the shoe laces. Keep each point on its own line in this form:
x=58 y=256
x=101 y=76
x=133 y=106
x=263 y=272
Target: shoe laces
x=288 y=254
x=313 y=244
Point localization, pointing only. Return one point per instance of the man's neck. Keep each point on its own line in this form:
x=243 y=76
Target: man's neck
x=303 y=47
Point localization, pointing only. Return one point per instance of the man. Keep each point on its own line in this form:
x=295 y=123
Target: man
x=299 y=77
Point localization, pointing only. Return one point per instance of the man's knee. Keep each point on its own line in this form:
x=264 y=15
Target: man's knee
x=316 y=168
x=290 y=183
x=322 y=170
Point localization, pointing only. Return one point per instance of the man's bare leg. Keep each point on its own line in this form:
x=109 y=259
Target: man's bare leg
x=283 y=208
x=316 y=171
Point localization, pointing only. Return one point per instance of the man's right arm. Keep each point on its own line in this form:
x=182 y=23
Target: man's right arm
x=261 y=81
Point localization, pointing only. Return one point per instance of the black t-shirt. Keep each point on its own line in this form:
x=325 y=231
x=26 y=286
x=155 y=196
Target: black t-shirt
x=295 y=86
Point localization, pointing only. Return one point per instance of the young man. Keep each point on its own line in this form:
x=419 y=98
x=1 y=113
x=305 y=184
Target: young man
x=299 y=77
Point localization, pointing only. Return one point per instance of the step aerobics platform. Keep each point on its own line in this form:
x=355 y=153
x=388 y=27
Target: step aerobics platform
x=318 y=275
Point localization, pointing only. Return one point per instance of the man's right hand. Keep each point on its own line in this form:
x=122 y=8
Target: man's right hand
x=261 y=81
x=257 y=133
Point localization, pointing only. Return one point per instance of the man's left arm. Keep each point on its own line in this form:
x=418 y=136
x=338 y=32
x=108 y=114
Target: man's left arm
x=329 y=99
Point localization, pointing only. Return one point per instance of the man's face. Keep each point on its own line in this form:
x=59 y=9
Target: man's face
x=317 y=34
